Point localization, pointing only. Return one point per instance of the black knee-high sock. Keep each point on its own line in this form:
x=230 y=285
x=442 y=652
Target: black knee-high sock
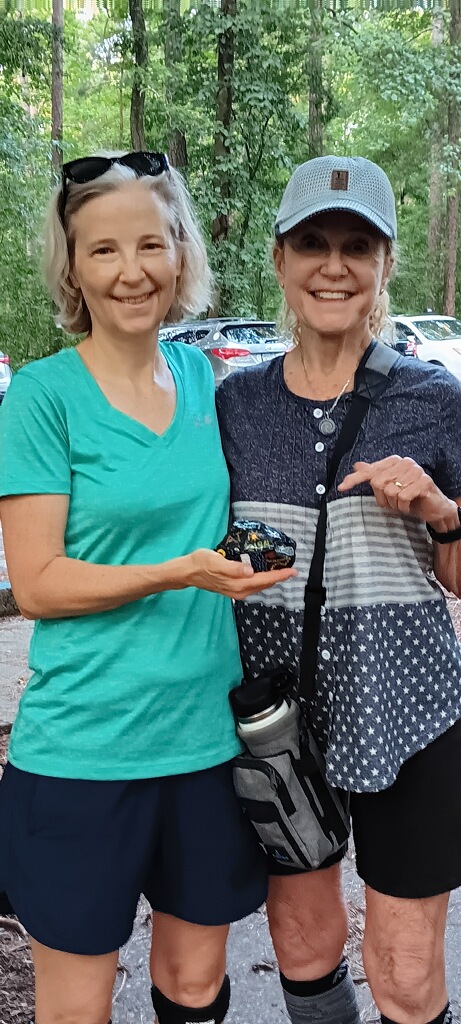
x=444 y=1017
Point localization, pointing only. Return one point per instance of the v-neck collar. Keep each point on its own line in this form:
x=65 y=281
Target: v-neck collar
x=140 y=428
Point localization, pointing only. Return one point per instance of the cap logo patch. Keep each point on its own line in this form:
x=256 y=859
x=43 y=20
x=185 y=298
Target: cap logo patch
x=339 y=181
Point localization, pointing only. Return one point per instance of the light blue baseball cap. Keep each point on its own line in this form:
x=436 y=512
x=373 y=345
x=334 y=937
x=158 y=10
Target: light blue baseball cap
x=338 y=183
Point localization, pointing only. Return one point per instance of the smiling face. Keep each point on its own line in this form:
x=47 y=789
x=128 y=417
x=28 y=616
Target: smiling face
x=332 y=268
x=125 y=261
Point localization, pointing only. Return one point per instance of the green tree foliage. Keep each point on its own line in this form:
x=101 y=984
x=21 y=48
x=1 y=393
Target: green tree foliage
x=267 y=135
x=25 y=48
x=383 y=88
x=26 y=324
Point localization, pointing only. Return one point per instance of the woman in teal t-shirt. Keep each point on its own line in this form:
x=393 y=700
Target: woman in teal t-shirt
x=114 y=494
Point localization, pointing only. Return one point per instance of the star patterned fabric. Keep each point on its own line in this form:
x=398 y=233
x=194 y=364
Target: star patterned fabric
x=388 y=678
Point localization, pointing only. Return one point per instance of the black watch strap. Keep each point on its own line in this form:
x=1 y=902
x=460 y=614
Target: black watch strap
x=449 y=536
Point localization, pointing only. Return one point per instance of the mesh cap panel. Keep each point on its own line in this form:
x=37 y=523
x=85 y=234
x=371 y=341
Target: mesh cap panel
x=338 y=183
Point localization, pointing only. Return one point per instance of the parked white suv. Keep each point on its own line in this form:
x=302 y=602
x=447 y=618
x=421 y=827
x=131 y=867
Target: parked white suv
x=437 y=338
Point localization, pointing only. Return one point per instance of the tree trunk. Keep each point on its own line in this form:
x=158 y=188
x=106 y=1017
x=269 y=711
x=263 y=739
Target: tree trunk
x=138 y=91
x=220 y=226
x=56 y=88
x=315 y=81
x=453 y=182
x=121 y=127
x=221 y=152
x=434 y=234
x=177 y=147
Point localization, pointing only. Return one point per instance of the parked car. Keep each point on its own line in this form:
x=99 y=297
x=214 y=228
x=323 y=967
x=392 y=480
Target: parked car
x=5 y=375
x=229 y=343
x=403 y=342
x=434 y=338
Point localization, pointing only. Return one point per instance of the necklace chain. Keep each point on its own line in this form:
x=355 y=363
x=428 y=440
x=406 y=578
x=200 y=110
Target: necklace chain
x=327 y=425
x=332 y=407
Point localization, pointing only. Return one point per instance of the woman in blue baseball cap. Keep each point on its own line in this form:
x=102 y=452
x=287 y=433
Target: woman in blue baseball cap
x=386 y=708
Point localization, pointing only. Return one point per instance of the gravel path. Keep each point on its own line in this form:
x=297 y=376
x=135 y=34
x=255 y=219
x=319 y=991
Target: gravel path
x=257 y=995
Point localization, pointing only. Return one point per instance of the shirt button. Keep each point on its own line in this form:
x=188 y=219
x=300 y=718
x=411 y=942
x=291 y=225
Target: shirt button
x=326 y=655
x=319 y=446
x=320 y=489
x=318 y=413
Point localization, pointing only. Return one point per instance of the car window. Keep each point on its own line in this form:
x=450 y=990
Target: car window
x=246 y=334
x=439 y=330
x=404 y=331
x=168 y=334
x=188 y=335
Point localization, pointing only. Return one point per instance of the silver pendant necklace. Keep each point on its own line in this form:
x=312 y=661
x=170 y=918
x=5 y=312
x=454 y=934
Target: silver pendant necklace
x=327 y=426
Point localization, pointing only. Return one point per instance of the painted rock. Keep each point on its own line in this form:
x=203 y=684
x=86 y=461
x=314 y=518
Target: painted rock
x=261 y=545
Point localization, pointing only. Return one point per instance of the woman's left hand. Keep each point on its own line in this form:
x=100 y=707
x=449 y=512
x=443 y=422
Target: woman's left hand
x=402 y=485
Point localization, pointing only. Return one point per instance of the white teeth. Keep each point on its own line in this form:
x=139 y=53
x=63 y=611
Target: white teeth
x=332 y=295
x=136 y=300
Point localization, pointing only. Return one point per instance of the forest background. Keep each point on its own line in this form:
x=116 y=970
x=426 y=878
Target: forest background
x=237 y=92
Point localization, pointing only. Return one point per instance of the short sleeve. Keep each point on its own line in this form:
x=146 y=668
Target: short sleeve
x=237 y=415
x=447 y=474
x=223 y=405
x=34 y=446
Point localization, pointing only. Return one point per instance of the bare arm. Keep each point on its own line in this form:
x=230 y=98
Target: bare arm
x=447 y=557
x=47 y=584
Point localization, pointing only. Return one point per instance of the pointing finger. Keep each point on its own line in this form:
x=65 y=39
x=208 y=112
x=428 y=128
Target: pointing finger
x=358 y=477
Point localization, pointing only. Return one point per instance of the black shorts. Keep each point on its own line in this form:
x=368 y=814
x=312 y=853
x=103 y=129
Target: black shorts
x=76 y=855
x=408 y=837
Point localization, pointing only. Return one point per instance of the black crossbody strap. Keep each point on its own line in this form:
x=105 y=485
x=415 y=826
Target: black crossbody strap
x=373 y=374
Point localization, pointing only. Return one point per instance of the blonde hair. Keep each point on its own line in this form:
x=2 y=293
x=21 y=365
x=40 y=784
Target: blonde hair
x=194 y=284
x=380 y=322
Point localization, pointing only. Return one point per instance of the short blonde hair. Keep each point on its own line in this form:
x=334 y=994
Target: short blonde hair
x=381 y=324
x=194 y=284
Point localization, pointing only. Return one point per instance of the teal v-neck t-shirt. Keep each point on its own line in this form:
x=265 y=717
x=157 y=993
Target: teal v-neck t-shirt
x=140 y=691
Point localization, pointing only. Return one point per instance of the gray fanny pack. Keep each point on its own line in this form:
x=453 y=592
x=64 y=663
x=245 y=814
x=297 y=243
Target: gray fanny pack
x=300 y=818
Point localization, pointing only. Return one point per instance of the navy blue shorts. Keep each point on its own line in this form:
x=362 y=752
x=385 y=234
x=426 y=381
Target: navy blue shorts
x=76 y=855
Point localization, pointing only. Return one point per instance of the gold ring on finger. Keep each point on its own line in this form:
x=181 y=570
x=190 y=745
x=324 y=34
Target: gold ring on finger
x=398 y=484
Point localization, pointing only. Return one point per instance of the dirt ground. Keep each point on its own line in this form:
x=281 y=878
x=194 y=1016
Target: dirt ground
x=16 y=974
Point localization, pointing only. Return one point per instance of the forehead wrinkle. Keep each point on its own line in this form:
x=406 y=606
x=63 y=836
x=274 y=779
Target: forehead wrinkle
x=82 y=221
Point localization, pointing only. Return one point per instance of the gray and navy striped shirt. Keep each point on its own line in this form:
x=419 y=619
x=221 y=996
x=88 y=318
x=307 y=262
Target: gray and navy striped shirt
x=389 y=665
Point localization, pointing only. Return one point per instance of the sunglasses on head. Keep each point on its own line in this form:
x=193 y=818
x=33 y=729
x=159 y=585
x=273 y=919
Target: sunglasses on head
x=88 y=168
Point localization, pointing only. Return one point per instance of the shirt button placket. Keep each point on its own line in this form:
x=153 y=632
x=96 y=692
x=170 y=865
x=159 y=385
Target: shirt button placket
x=319 y=447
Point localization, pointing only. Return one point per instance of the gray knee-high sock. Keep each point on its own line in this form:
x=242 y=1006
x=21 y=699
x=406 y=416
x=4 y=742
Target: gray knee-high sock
x=310 y=1003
